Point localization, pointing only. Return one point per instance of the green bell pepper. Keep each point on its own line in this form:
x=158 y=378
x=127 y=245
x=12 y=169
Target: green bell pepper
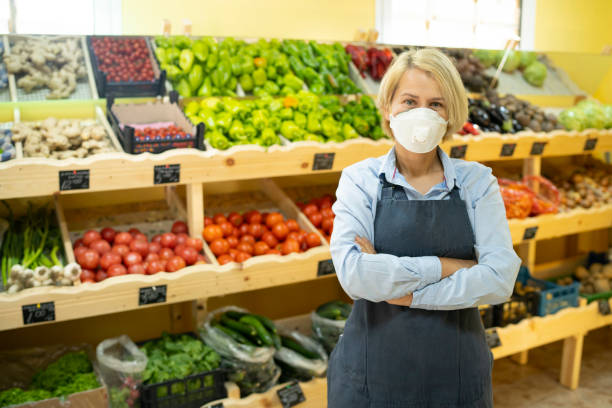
x=293 y=82
x=172 y=71
x=314 y=138
x=313 y=124
x=378 y=133
x=246 y=82
x=259 y=119
x=300 y=120
x=317 y=88
x=260 y=92
x=281 y=63
x=186 y=60
x=308 y=57
x=286 y=114
x=367 y=103
x=161 y=55
x=268 y=137
x=297 y=66
x=289 y=47
x=259 y=77
x=372 y=119
x=183 y=88
x=349 y=132
x=173 y=54
x=247 y=64
x=271 y=72
x=236 y=63
x=217 y=140
x=330 y=127
x=250 y=132
x=162 y=41
x=361 y=126
x=345 y=118
x=212 y=61
x=271 y=88
x=200 y=50
x=307 y=102
x=224 y=54
x=275 y=105
x=286 y=91
x=274 y=123
x=289 y=130
x=183 y=41
x=195 y=78
x=214 y=104
x=208 y=117
x=223 y=121
x=222 y=74
x=311 y=76
x=236 y=131
x=192 y=108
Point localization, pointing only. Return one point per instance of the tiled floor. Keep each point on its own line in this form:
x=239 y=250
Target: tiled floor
x=537 y=384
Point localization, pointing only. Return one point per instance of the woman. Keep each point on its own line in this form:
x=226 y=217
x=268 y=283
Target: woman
x=419 y=242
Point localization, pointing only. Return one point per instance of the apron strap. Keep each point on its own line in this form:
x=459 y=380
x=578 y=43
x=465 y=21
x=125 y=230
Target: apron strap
x=454 y=194
x=391 y=191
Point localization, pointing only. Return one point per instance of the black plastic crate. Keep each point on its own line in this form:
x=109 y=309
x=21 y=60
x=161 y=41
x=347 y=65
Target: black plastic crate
x=126 y=89
x=131 y=144
x=514 y=310
x=487 y=315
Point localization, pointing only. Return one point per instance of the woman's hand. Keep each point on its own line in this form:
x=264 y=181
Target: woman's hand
x=365 y=245
x=403 y=301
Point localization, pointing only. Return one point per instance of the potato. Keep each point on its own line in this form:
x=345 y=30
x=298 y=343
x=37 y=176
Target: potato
x=602 y=285
x=595 y=268
x=581 y=273
x=607 y=271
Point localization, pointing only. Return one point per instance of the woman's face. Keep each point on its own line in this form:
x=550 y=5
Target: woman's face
x=418 y=89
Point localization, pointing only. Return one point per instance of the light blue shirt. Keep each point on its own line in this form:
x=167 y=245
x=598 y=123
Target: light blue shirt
x=380 y=277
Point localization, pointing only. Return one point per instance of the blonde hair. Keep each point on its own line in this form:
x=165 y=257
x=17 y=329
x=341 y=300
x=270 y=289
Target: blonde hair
x=441 y=68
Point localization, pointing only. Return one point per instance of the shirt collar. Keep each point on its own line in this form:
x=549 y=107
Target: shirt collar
x=388 y=168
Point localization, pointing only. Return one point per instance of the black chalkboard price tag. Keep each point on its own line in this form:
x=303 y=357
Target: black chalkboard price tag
x=530 y=233
x=151 y=295
x=323 y=161
x=604 y=307
x=73 y=180
x=458 y=152
x=492 y=337
x=590 y=144
x=167 y=173
x=38 y=312
x=325 y=267
x=537 y=148
x=291 y=395
x=217 y=405
x=507 y=149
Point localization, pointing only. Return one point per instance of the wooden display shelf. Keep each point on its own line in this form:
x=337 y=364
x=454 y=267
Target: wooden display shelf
x=556 y=225
x=117 y=171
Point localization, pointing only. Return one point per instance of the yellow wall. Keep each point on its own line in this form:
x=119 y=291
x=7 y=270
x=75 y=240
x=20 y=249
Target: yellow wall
x=311 y=19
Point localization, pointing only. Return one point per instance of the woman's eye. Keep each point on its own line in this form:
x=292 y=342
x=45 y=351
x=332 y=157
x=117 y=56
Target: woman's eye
x=409 y=102
x=436 y=104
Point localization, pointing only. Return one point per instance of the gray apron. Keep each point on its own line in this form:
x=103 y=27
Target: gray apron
x=394 y=356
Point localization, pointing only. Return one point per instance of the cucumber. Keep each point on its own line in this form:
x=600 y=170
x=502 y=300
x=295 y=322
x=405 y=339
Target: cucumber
x=268 y=324
x=234 y=335
x=277 y=341
x=261 y=330
x=298 y=348
x=232 y=314
x=332 y=314
x=237 y=326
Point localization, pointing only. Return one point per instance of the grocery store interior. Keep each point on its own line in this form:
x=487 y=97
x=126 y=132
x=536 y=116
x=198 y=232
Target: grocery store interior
x=168 y=178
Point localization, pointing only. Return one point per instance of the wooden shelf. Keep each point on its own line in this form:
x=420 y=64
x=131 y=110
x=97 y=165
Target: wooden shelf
x=117 y=171
x=556 y=225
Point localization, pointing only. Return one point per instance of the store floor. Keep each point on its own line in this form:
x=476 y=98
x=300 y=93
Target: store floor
x=536 y=385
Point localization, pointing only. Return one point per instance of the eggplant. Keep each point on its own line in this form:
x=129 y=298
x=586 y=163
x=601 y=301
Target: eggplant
x=516 y=126
x=480 y=117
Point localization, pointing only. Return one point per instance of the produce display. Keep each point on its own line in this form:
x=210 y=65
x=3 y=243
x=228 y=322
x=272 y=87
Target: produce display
x=593 y=280
x=471 y=69
x=508 y=114
x=123 y=59
x=109 y=253
x=587 y=114
x=328 y=322
x=521 y=200
x=47 y=62
x=300 y=358
x=61 y=138
x=32 y=254
x=205 y=67
x=159 y=131
x=238 y=237
x=70 y=374
x=374 y=61
x=3 y=71
x=534 y=72
x=249 y=329
x=7 y=149
x=319 y=212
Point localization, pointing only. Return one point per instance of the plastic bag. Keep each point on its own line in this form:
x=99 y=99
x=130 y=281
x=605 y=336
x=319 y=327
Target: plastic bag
x=251 y=368
x=121 y=365
x=546 y=201
x=295 y=366
x=327 y=331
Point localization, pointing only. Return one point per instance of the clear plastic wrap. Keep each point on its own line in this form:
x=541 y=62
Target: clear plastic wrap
x=251 y=368
x=295 y=366
x=327 y=331
x=121 y=364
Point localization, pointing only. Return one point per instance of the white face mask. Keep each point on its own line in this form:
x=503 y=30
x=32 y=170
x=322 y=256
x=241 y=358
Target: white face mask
x=419 y=130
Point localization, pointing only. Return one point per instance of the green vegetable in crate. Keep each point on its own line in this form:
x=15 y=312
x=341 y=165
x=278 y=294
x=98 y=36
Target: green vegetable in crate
x=217 y=140
x=527 y=58
x=183 y=88
x=192 y=108
x=259 y=77
x=200 y=50
x=298 y=348
x=361 y=126
x=313 y=124
x=16 y=396
x=486 y=57
x=535 y=73
x=259 y=118
x=172 y=71
x=271 y=88
x=348 y=132
x=236 y=131
x=195 y=78
x=607 y=109
x=212 y=61
x=334 y=310
x=251 y=133
x=269 y=137
x=300 y=119
x=246 y=82
x=275 y=123
x=286 y=114
x=330 y=128
x=223 y=121
x=186 y=60
x=594 y=115
x=290 y=130
x=513 y=61
x=206 y=89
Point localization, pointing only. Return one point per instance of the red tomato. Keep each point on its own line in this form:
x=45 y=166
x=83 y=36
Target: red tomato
x=273 y=252
x=261 y=248
x=108 y=259
x=181 y=239
x=137 y=269
x=315 y=218
x=78 y=243
x=327 y=213
x=309 y=209
x=223 y=259
x=157 y=239
x=108 y=234
x=120 y=249
x=289 y=246
x=244 y=229
x=154 y=267
x=152 y=257
x=327 y=224
x=219 y=219
x=101 y=275
x=208 y=221
x=190 y=255
x=313 y=240
x=123 y=238
x=132 y=258
x=242 y=256
x=142 y=247
x=302 y=236
x=233 y=252
x=166 y=253
x=236 y=233
x=256 y=230
x=303 y=246
x=232 y=241
x=245 y=247
x=253 y=217
x=248 y=239
x=139 y=236
x=91 y=236
x=175 y=263
x=89 y=259
x=235 y=218
x=168 y=240
x=212 y=232
x=79 y=250
x=87 y=275
x=195 y=243
x=134 y=231
x=116 y=270
x=179 y=227
x=326 y=202
x=293 y=225
x=294 y=235
x=227 y=228
x=154 y=247
x=219 y=246
x=280 y=231
x=269 y=239
x=274 y=218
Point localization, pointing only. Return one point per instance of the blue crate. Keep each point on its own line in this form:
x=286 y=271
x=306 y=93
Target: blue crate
x=552 y=297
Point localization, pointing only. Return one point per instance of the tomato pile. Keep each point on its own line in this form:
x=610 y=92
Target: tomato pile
x=238 y=237
x=111 y=253
x=320 y=214
x=123 y=59
x=161 y=133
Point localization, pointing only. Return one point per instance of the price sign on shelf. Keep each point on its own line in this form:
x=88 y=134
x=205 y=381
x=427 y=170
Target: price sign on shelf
x=73 y=180
x=530 y=233
x=323 y=161
x=152 y=294
x=325 y=267
x=492 y=337
x=167 y=173
x=291 y=395
x=590 y=144
x=458 y=152
x=38 y=312
x=507 y=150
x=537 y=148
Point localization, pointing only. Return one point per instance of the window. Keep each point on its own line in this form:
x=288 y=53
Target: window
x=456 y=23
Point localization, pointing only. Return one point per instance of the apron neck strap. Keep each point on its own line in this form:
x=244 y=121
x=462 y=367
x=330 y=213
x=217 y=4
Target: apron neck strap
x=391 y=191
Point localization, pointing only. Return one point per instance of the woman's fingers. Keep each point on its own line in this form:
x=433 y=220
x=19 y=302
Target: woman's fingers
x=365 y=245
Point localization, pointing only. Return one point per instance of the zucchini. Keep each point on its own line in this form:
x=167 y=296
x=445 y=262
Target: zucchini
x=268 y=324
x=234 y=335
x=232 y=314
x=237 y=326
x=298 y=348
x=261 y=330
x=277 y=341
